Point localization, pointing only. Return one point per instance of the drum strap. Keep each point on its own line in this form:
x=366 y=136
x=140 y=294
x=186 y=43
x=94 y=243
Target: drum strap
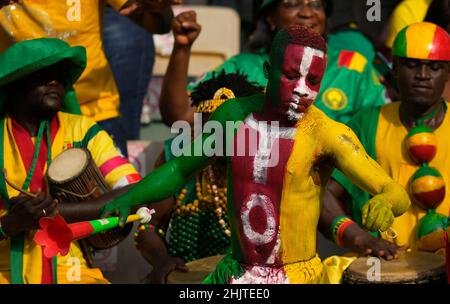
x=18 y=241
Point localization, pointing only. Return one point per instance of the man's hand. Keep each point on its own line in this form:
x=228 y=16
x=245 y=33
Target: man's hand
x=377 y=214
x=116 y=208
x=163 y=267
x=151 y=6
x=185 y=29
x=365 y=244
x=25 y=212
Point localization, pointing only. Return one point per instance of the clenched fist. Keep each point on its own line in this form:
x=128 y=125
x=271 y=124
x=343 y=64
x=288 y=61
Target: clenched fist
x=185 y=29
x=377 y=214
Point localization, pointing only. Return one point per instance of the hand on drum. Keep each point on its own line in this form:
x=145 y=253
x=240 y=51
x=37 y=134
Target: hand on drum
x=164 y=267
x=377 y=214
x=366 y=244
x=25 y=212
x=185 y=29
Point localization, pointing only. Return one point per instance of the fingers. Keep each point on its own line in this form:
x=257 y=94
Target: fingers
x=365 y=211
x=186 y=16
x=377 y=216
x=52 y=210
x=383 y=220
x=190 y=26
x=386 y=250
x=180 y=265
x=371 y=214
x=123 y=215
x=387 y=220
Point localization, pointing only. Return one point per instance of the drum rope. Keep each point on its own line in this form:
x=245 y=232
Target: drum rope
x=82 y=196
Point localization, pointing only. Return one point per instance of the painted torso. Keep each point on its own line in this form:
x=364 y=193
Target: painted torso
x=275 y=196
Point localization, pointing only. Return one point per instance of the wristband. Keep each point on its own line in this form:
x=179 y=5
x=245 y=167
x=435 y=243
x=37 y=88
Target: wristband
x=338 y=227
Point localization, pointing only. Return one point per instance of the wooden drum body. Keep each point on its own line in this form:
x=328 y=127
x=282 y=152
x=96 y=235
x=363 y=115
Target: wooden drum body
x=198 y=271
x=409 y=268
x=72 y=177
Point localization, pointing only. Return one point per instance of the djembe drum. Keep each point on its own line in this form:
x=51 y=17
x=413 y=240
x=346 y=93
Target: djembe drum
x=72 y=177
x=198 y=271
x=409 y=268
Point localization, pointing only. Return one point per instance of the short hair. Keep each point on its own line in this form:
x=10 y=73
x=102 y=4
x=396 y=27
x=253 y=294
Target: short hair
x=295 y=34
x=236 y=82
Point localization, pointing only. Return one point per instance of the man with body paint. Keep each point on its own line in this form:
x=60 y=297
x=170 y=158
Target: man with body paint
x=274 y=194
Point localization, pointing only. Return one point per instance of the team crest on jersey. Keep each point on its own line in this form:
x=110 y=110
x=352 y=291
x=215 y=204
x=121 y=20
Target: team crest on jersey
x=335 y=99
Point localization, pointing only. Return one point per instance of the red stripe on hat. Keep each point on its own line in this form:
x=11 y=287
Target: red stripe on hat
x=441 y=45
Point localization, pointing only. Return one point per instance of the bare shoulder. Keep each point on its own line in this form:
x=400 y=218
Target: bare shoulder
x=322 y=124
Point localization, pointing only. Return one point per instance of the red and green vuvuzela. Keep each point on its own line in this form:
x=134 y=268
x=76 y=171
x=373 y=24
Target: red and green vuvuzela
x=430 y=231
x=422 y=40
x=421 y=144
x=55 y=235
x=427 y=188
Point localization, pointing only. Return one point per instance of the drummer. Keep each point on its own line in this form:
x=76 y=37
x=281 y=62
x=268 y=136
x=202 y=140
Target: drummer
x=198 y=221
x=403 y=137
x=36 y=78
x=275 y=189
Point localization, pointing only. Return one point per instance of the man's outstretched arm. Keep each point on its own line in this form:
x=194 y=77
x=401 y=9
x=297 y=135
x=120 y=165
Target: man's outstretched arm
x=389 y=198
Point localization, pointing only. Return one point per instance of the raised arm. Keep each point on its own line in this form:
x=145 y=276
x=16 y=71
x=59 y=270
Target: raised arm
x=390 y=198
x=154 y=16
x=174 y=101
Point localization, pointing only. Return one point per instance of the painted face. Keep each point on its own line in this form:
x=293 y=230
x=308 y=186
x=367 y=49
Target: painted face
x=421 y=82
x=300 y=77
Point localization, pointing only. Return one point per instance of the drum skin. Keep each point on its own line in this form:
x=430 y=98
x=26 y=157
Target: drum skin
x=410 y=268
x=198 y=271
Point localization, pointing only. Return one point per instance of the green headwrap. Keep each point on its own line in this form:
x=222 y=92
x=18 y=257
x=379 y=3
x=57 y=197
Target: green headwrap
x=27 y=57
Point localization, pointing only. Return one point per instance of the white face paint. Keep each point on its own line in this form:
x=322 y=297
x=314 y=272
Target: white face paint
x=301 y=89
x=301 y=95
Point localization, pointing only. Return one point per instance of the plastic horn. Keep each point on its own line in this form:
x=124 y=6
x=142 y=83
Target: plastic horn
x=55 y=235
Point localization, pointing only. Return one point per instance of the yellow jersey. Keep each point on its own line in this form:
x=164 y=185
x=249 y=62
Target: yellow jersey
x=78 y=22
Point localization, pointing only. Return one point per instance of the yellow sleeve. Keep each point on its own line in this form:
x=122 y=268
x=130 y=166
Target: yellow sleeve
x=117 y=4
x=115 y=168
x=352 y=159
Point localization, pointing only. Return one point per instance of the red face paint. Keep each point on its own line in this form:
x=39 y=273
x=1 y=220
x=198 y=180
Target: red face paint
x=300 y=79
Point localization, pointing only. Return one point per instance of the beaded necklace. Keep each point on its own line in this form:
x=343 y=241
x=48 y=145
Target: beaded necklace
x=427 y=186
x=200 y=225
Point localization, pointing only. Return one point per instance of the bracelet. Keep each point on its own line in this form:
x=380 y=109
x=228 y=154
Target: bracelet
x=338 y=227
x=150 y=227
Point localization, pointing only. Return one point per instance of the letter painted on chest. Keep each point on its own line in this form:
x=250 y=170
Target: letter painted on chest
x=257 y=186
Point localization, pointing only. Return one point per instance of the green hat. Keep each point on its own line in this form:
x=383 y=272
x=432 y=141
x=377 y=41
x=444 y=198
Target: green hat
x=266 y=3
x=26 y=57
